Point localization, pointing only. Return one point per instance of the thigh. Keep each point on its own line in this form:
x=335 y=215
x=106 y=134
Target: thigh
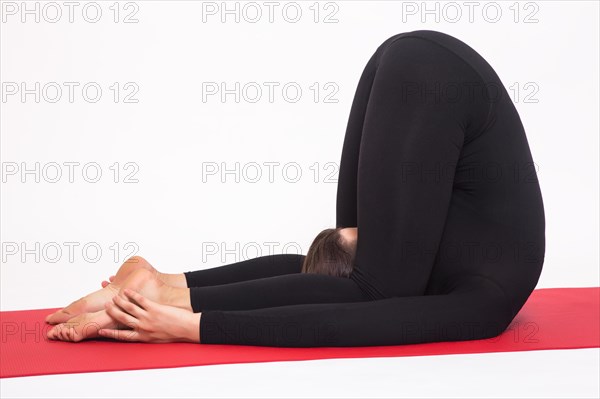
x=346 y=201
x=405 y=141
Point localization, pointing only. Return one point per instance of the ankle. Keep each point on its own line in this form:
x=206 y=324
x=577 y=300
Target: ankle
x=174 y=280
x=175 y=296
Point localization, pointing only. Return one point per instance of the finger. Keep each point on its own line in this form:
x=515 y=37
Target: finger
x=129 y=306
x=110 y=280
x=122 y=335
x=119 y=315
x=141 y=300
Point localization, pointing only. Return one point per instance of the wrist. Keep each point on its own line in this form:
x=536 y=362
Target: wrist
x=192 y=331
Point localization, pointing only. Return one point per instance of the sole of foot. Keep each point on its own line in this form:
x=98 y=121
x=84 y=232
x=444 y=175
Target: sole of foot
x=95 y=301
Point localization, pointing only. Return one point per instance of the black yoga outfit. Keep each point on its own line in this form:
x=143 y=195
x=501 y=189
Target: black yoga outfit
x=437 y=174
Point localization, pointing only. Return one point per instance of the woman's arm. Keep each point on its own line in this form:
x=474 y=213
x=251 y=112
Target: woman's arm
x=478 y=310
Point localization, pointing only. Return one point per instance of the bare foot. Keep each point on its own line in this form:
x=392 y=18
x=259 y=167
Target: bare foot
x=95 y=301
x=83 y=326
x=86 y=325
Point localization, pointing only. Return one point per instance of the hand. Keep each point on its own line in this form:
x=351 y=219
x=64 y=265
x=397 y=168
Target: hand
x=150 y=321
x=105 y=283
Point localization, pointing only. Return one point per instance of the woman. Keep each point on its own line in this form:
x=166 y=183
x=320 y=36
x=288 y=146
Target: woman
x=437 y=176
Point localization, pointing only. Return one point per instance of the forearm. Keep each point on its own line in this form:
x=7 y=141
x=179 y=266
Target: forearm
x=473 y=314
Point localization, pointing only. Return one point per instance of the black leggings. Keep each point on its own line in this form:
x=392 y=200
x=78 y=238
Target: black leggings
x=437 y=174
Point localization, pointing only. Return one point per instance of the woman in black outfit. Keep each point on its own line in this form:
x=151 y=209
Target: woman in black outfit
x=440 y=230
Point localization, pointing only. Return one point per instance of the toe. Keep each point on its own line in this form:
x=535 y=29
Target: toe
x=53 y=333
x=49 y=318
x=59 y=317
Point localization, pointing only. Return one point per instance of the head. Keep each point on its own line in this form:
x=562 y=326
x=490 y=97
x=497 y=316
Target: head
x=332 y=252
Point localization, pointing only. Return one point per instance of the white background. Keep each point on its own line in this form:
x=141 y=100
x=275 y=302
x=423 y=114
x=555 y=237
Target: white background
x=174 y=215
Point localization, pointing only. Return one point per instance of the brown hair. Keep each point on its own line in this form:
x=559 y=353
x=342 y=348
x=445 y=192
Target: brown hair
x=330 y=254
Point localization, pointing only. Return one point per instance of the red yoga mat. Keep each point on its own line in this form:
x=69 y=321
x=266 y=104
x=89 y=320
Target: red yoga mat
x=552 y=318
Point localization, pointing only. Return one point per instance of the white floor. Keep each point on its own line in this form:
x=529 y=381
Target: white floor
x=534 y=374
